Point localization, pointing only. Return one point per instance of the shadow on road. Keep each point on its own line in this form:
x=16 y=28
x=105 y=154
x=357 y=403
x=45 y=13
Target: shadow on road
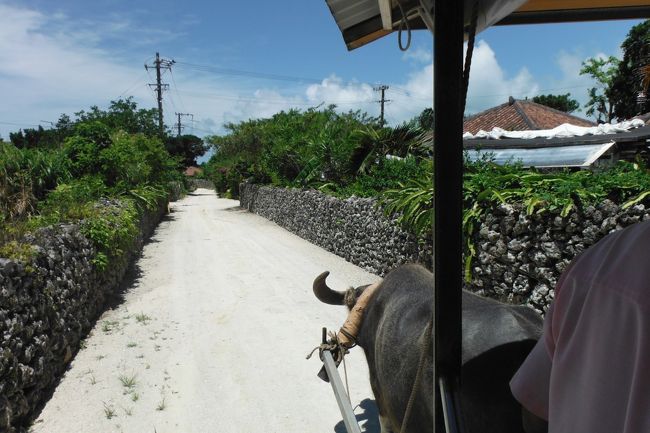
x=370 y=415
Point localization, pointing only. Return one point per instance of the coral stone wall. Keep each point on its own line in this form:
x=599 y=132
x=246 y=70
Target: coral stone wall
x=354 y=228
x=518 y=259
x=47 y=306
x=200 y=183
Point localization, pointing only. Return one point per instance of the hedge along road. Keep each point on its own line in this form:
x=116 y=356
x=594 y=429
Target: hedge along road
x=212 y=335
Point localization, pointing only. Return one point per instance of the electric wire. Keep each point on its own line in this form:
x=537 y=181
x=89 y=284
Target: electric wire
x=19 y=124
x=262 y=100
x=176 y=90
x=132 y=86
x=243 y=73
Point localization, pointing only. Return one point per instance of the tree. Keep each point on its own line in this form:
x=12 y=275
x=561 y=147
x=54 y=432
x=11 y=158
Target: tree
x=35 y=138
x=631 y=74
x=602 y=96
x=425 y=119
x=124 y=115
x=187 y=147
x=559 y=102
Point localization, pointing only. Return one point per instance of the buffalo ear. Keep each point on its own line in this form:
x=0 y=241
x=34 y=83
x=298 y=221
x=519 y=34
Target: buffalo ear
x=350 y=298
x=352 y=294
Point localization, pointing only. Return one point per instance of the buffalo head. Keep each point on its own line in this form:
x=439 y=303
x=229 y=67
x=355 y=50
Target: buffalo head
x=390 y=328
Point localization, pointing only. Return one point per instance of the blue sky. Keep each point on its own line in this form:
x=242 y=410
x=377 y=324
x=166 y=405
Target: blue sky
x=64 y=56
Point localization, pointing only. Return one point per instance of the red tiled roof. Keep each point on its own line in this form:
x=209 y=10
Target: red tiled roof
x=520 y=115
x=193 y=171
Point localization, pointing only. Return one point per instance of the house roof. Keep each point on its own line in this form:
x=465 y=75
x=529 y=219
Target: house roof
x=520 y=115
x=193 y=171
x=634 y=137
x=562 y=151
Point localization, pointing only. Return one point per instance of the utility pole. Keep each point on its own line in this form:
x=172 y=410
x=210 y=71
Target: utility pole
x=382 y=101
x=178 y=125
x=159 y=85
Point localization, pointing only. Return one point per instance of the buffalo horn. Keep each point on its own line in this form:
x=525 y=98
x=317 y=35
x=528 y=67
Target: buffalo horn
x=324 y=293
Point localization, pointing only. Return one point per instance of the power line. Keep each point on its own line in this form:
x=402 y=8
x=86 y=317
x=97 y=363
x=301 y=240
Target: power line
x=264 y=101
x=132 y=86
x=243 y=73
x=19 y=124
x=176 y=89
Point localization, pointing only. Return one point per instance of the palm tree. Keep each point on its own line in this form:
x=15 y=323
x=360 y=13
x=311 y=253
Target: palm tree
x=373 y=144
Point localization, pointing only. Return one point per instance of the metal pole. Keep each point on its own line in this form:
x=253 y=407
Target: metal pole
x=448 y=205
x=342 y=398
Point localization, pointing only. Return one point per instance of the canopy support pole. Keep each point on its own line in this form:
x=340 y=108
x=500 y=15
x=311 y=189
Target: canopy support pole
x=448 y=203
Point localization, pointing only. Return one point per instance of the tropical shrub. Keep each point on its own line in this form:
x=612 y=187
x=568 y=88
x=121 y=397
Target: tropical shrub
x=487 y=184
x=112 y=230
x=384 y=174
x=290 y=148
x=102 y=154
x=26 y=175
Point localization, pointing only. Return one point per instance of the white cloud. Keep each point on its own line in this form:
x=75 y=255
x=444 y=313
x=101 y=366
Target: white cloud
x=489 y=84
x=48 y=67
x=333 y=90
x=43 y=75
x=419 y=54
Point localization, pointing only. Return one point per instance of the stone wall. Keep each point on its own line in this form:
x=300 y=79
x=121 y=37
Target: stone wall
x=518 y=258
x=354 y=228
x=47 y=306
x=200 y=183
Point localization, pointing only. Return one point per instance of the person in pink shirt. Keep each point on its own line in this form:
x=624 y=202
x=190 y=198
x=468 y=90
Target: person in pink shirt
x=590 y=371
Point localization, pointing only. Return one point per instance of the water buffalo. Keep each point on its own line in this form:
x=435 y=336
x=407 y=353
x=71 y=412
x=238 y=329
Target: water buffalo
x=496 y=339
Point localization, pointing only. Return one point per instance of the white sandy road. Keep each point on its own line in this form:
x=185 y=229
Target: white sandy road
x=212 y=336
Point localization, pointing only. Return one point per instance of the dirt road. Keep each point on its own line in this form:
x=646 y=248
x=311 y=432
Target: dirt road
x=212 y=335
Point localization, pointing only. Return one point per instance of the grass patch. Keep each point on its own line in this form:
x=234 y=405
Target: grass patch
x=109 y=411
x=142 y=318
x=109 y=325
x=128 y=381
x=18 y=252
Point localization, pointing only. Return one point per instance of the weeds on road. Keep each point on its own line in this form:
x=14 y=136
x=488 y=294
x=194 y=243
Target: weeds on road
x=109 y=411
x=109 y=325
x=162 y=405
x=131 y=344
x=142 y=318
x=128 y=381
